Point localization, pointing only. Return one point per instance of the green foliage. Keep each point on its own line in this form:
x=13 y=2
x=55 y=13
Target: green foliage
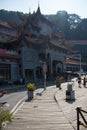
x=5 y=116
x=31 y=86
x=10 y=16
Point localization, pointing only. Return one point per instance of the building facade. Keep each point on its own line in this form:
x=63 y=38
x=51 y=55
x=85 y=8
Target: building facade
x=24 y=51
x=77 y=60
x=32 y=60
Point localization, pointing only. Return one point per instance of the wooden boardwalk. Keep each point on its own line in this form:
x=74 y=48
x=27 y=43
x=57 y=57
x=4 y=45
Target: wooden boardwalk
x=46 y=113
x=42 y=113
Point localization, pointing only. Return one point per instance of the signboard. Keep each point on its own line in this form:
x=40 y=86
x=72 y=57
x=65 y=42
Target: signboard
x=2 y=51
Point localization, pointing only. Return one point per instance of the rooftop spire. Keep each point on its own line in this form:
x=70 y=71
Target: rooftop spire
x=38 y=10
x=38 y=5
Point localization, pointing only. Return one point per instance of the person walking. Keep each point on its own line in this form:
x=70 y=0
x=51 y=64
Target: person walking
x=79 y=81
x=84 y=82
x=58 y=82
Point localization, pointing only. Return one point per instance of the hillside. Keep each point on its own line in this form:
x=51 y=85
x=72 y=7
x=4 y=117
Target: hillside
x=10 y=16
x=71 y=25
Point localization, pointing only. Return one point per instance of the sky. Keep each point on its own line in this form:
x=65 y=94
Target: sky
x=78 y=7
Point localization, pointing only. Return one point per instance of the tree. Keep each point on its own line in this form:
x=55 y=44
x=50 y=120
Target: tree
x=74 y=20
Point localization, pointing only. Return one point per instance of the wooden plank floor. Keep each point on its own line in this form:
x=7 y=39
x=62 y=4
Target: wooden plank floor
x=42 y=113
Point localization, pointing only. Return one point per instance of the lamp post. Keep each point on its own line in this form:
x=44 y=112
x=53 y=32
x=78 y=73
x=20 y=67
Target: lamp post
x=44 y=72
x=80 y=64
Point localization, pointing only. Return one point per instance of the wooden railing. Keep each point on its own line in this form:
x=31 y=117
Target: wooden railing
x=81 y=116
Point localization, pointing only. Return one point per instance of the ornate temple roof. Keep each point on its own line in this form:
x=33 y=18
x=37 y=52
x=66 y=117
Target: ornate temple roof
x=35 y=29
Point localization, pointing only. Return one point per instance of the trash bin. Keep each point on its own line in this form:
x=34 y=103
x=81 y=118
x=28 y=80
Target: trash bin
x=69 y=87
x=70 y=95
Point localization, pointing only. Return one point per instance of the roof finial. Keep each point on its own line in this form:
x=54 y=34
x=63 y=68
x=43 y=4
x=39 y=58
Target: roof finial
x=38 y=5
x=38 y=10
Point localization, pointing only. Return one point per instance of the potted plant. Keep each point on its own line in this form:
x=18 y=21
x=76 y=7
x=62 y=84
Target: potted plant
x=5 y=117
x=58 y=81
x=30 y=88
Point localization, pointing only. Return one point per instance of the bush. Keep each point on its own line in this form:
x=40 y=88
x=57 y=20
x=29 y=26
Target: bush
x=5 y=117
x=31 y=86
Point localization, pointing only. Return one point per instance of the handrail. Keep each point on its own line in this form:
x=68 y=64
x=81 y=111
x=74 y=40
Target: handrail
x=79 y=113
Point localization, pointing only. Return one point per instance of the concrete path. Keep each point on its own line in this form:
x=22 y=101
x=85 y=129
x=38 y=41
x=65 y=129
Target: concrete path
x=49 y=110
x=69 y=107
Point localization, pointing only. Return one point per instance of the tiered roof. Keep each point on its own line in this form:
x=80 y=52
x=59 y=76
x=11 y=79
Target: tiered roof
x=31 y=26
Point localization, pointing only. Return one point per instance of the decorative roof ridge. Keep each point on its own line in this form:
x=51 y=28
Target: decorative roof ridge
x=76 y=41
x=58 y=45
x=5 y=24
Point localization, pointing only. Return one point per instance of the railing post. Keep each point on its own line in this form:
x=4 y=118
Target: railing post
x=78 y=109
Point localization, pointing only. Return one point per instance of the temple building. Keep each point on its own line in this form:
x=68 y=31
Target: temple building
x=40 y=43
x=25 y=48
